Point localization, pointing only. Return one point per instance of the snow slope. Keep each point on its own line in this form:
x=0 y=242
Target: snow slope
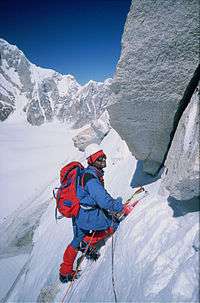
x=155 y=253
x=32 y=156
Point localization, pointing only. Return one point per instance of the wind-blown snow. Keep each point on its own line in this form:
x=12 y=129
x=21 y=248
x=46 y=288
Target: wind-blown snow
x=155 y=253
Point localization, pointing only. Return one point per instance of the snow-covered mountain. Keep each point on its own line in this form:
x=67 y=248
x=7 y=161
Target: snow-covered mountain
x=154 y=255
x=155 y=250
x=40 y=94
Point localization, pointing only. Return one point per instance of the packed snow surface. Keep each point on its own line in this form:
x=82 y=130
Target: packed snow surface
x=153 y=256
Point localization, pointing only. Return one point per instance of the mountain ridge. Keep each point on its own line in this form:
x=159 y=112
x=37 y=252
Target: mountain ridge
x=47 y=94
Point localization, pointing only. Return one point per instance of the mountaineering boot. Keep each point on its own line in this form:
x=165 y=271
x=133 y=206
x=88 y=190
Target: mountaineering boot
x=90 y=252
x=66 y=268
x=68 y=277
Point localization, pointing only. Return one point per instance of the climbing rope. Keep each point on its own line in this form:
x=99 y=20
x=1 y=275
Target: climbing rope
x=141 y=189
x=113 y=276
x=77 y=269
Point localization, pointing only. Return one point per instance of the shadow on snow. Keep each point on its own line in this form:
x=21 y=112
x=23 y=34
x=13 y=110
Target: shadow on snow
x=183 y=207
x=140 y=178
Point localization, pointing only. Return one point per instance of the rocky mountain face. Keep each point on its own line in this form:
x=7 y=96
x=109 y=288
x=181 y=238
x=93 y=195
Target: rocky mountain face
x=182 y=163
x=158 y=59
x=44 y=94
x=92 y=133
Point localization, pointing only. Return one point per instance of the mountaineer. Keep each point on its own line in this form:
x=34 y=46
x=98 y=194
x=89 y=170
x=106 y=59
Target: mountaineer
x=94 y=221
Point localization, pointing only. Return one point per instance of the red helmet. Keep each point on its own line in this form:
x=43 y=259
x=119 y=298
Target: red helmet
x=93 y=152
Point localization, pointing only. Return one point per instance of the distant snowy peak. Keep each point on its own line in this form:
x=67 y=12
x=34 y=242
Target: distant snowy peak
x=39 y=74
x=67 y=85
x=42 y=94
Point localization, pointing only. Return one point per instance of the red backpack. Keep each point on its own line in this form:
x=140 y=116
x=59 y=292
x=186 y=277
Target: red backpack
x=67 y=202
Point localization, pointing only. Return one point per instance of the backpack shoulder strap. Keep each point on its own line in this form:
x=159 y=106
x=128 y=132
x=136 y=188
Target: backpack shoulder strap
x=85 y=178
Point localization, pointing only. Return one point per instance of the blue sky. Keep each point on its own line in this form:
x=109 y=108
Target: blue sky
x=77 y=37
